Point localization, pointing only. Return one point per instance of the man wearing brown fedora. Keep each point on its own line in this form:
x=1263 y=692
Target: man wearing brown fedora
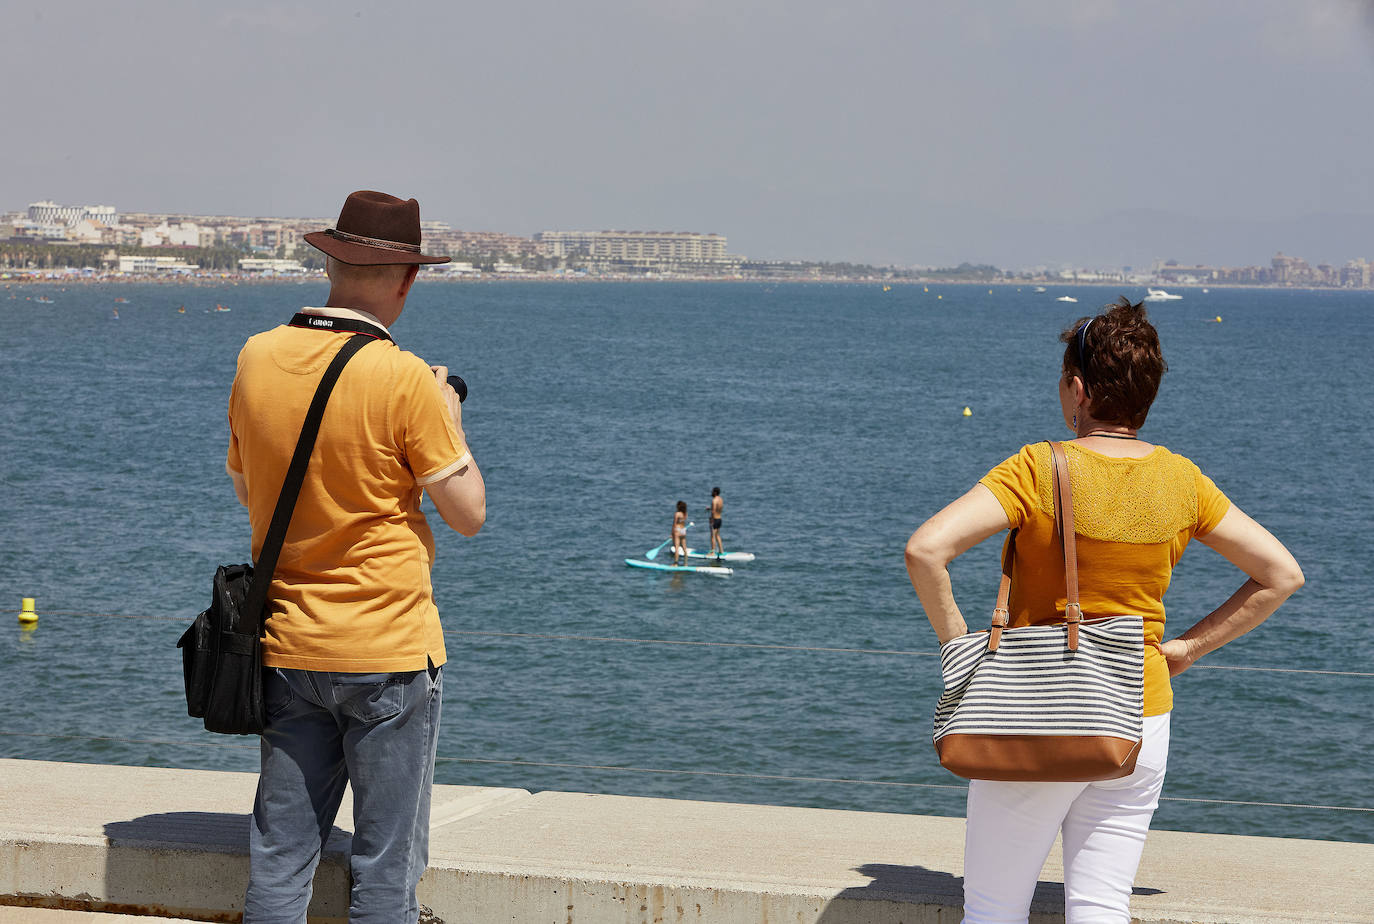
x=353 y=652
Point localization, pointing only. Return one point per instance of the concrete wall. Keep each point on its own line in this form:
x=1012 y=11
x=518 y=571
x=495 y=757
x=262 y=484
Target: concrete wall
x=174 y=843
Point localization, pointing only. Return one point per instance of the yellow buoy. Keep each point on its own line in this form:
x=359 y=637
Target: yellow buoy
x=939 y=296
x=968 y=413
x=27 y=615
x=1218 y=319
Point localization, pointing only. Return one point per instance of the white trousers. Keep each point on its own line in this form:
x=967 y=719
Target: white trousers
x=1012 y=826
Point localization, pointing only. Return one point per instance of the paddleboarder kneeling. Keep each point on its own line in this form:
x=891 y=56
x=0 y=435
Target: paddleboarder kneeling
x=679 y=534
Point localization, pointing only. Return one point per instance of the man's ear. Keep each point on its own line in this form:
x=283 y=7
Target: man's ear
x=408 y=279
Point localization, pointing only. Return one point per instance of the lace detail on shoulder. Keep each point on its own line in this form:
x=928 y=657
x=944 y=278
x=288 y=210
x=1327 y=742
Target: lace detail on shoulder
x=1140 y=501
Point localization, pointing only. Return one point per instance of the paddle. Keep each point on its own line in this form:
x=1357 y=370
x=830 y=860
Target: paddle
x=653 y=553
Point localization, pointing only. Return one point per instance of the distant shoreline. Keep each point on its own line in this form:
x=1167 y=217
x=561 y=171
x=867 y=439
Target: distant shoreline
x=235 y=280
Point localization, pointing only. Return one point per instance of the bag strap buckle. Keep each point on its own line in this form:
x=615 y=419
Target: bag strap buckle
x=1073 y=615
x=1001 y=618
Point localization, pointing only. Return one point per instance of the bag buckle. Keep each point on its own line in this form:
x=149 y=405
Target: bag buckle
x=1073 y=615
x=1000 y=620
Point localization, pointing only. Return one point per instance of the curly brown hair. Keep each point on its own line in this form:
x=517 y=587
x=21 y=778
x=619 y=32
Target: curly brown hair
x=1120 y=350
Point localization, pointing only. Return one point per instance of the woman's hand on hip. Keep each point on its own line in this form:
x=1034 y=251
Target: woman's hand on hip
x=1178 y=654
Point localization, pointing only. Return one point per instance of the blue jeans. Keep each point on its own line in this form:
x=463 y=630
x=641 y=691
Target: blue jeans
x=324 y=730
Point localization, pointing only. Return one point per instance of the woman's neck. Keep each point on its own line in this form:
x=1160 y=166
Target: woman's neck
x=1116 y=440
x=1085 y=426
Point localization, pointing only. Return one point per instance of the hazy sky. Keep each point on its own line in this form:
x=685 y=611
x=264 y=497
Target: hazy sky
x=882 y=131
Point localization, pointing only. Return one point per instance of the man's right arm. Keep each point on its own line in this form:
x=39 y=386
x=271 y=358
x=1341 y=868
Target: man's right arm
x=233 y=458
x=240 y=485
x=461 y=499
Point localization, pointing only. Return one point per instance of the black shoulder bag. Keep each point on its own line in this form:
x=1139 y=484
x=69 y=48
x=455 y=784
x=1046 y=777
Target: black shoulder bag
x=221 y=653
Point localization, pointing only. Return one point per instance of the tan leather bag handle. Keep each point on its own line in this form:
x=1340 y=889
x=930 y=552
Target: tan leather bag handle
x=1068 y=548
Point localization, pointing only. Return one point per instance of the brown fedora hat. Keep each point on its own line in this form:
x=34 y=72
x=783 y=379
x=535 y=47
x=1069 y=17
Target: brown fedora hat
x=374 y=229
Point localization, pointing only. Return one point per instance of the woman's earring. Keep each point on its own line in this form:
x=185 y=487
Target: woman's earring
x=1075 y=421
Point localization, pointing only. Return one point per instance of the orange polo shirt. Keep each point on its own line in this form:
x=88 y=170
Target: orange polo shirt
x=351 y=592
x=1132 y=517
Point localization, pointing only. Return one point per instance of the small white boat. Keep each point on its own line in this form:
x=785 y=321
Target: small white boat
x=1039 y=288
x=1066 y=298
x=1159 y=295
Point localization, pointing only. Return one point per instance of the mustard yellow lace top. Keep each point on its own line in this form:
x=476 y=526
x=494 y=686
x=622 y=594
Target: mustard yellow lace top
x=1133 y=518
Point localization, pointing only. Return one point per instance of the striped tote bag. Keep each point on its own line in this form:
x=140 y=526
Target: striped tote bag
x=1048 y=702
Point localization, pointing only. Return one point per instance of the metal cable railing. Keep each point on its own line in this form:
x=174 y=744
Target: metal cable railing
x=661 y=771
x=726 y=644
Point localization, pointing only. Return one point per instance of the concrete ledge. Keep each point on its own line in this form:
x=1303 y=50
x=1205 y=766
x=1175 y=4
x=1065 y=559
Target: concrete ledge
x=143 y=840
x=14 y=914
x=173 y=842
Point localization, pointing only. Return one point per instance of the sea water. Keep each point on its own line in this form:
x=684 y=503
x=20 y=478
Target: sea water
x=830 y=416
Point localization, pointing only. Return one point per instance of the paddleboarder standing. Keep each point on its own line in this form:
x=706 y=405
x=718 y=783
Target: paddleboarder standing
x=679 y=534
x=717 y=509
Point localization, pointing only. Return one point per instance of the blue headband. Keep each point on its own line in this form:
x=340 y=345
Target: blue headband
x=1083 y=350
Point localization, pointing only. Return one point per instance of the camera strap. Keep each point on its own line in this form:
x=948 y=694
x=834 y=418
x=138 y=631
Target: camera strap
x=349 y=325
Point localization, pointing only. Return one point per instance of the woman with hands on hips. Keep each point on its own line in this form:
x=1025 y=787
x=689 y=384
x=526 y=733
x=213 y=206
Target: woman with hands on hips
x=1136 y=507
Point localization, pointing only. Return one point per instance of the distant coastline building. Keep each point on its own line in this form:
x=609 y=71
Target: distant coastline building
x=154 y=266
x=270 y=266
x=1357 y=274
x=438 y=237
x=48 y=221
x=643 y=250
x=50 y=213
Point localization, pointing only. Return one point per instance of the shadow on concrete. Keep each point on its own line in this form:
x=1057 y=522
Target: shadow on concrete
x=202 y=830
x=195 y=864
x=901 y=887
x=941 y=894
